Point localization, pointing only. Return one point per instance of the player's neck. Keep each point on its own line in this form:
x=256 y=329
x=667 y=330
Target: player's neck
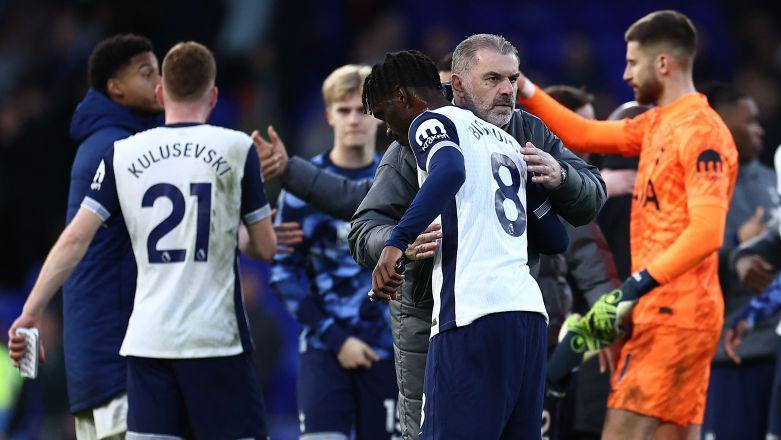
x=676 y=88
x=352 y=157
x=177 y=113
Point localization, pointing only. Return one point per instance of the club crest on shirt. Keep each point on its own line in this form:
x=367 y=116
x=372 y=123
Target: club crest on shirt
x=709 y=161
x=100 y=174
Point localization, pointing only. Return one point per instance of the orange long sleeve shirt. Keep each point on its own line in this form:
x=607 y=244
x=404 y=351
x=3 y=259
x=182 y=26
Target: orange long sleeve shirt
x=685 y=178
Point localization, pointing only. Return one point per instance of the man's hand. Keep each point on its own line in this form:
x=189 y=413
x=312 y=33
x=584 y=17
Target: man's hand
x=546 y=169
x=273 y=154
x=356 y=353
x=608 y=356
x=619 y=182
x=385 y=280
x=288 y=234
x=754 y=272
x=752 y=227
x=16 y=343
x=734 y=338
x=427 y=242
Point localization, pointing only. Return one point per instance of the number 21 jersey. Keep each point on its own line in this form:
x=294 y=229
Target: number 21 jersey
x=182 y=190
x=481 y=267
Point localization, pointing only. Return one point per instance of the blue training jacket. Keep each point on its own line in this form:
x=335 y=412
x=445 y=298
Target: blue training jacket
x=98 y=296
x=321 y=284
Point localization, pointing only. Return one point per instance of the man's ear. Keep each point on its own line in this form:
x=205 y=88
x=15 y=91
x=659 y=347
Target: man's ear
x=114 y=88
x=663 y=63
x=159 y=96
x=456 y=83
x=328 y=117
x=401 y=95
x=215 y=92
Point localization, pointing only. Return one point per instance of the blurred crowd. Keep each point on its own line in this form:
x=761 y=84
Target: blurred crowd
x=272 y=57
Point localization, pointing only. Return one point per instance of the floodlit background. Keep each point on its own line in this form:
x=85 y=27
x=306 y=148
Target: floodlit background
x=272 y=57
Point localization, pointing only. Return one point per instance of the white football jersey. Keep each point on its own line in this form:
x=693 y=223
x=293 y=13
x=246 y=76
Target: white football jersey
x=481 y=267
x=182 y=190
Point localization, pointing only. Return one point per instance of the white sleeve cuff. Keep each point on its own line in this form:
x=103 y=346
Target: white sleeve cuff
x=257 y=215
x=95 y=207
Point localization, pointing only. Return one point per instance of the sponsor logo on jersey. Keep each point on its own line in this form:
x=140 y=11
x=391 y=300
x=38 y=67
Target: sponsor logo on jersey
x=647 y=195
x=430 y=131
x=709 y=161
x=100 y=174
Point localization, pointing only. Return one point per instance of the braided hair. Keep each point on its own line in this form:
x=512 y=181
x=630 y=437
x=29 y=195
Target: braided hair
x=408 y=68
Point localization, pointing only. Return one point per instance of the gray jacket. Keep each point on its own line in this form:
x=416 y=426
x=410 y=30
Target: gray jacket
x=309 y=182
x=755 y=186
x=395 y=185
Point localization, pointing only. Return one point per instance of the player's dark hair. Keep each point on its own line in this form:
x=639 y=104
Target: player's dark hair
x=112 y=54
x=667 y=26
x=189 y=70
x=720 y=93
x=408 y=68
x=571 y=97
x=445 y=63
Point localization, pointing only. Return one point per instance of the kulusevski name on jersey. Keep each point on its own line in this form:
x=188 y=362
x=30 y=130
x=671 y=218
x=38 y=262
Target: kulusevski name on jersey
x=481 y=267
x=183 y=217
x=178 y=150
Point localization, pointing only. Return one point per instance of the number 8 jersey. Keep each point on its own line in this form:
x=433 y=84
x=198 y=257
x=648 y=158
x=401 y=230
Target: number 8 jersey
x=182 y=190
x=481 y=267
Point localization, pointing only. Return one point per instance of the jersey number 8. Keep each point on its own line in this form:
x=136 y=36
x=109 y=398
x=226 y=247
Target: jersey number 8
x=508 y=193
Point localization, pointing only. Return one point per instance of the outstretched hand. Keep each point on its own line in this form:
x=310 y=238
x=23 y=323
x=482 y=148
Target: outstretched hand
x=272 y=153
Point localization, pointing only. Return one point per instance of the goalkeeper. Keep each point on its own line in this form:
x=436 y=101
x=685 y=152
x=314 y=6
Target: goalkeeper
x=685 y=178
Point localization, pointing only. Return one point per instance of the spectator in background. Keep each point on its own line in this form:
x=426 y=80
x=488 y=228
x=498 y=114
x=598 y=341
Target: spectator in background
x=98 y=298
x=740 y=391
x=445 y=68
x=572 y=282
x=756 y=262
x=346 y=376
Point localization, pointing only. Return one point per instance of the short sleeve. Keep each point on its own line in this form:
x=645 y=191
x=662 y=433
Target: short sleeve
x=102 y=198
x=709 y=161
x=254 y=205
x=429 y=133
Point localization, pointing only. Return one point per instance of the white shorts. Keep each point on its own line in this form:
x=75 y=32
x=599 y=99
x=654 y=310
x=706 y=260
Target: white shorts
x=105 y=422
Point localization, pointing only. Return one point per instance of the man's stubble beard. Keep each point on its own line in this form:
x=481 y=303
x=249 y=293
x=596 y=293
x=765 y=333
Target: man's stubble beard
x=486 y=111
x=650 y=92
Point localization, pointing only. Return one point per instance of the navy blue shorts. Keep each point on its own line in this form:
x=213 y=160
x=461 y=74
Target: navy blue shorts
x=486 y=379
x=213 y=398
x=774 y=417
x=739 y=397
x=334 y=400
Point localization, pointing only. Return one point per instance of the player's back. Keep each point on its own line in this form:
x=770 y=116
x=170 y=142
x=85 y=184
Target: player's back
x=482 y=265
x=180 y=191
x=688 y=158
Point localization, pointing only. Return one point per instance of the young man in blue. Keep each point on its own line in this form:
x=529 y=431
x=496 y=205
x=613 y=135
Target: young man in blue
x=98 y=298
x=485 y=371
x=346 y=377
